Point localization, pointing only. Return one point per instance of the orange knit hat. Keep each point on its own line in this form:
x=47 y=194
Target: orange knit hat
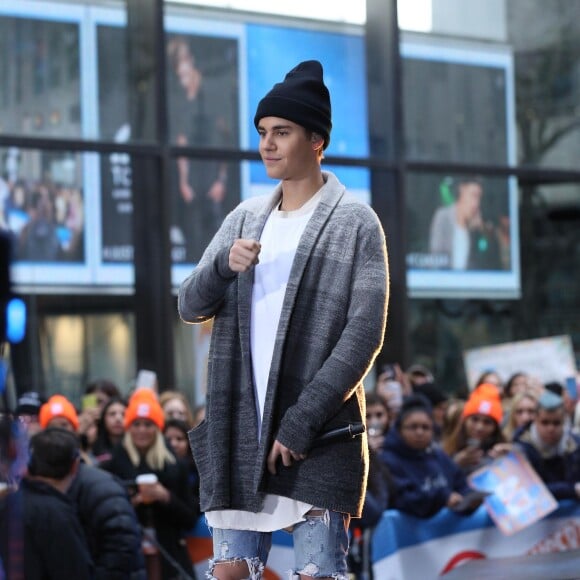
x=143 y=404
x=485 y=400
x=58 y=406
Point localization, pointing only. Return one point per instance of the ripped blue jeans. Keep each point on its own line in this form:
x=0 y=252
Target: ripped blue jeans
x=320 y=547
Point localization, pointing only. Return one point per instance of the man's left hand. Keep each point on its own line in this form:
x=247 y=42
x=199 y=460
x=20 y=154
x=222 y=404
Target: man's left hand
x=287 y=455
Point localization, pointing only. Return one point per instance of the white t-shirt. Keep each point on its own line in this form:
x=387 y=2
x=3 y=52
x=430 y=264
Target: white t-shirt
x=460 y=253
x=279 y=240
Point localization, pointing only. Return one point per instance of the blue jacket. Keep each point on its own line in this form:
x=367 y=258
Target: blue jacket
x=424 y=480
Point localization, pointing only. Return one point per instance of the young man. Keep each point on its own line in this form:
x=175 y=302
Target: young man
x=297 y=286
x=40 y=534
x=553 y=450
x=459 y=233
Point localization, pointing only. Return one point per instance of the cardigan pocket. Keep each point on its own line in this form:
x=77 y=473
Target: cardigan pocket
x=200 y=449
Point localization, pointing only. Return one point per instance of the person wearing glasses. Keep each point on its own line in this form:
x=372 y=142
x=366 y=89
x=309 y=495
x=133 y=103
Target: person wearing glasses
x=426 y=478
x=553 y=451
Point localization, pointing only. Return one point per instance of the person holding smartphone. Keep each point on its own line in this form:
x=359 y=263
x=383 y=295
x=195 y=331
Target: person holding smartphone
x=478 y=438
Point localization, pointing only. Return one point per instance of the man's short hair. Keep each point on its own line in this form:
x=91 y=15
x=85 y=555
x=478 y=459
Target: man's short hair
x=53 y=453
x=466 y=180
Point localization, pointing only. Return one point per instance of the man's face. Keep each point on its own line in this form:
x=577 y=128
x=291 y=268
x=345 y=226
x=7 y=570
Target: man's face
x=550 y=426
x=286 y=150
x=469 y=200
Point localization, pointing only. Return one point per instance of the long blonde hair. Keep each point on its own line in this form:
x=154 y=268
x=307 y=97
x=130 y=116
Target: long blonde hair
x=511 y=427
x=157 y=456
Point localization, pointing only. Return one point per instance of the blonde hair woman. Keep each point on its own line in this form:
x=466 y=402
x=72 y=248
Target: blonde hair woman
x=176 y=406
x=524 y=409
x=167 y=505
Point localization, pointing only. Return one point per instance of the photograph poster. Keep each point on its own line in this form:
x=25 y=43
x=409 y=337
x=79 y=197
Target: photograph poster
x=519 y=497
x=42 y=209
x=203 y=111
x=462 y=229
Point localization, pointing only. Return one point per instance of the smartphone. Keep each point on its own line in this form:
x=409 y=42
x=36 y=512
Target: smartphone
x=146 y=380
x=89 y=402
x=389 y=371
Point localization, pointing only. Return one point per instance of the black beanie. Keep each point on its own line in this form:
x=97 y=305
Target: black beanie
x=302 y=97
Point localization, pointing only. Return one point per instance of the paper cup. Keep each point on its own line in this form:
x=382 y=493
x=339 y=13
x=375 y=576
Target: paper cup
x=145 y=482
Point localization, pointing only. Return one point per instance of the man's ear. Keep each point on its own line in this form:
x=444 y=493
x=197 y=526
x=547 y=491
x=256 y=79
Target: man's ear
x=317 y=141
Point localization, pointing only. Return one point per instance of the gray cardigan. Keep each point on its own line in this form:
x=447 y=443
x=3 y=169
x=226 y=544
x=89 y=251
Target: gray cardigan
x=330 y=330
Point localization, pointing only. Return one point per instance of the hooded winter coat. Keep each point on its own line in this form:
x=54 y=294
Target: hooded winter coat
x=110 y=525
x=424 y=479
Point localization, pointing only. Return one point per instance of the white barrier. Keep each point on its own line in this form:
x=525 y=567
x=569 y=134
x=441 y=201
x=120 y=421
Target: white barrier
x=406 y=547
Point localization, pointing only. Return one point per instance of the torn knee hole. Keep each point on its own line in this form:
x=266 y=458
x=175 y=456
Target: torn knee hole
x=309 y=570
x=254 y=565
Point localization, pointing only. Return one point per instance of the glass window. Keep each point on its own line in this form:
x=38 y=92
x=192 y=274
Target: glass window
x=492 y=82
x=462 y=236
x=42 y=205
x=40 y=92
x=70 y=218
x=457 y=105
x=441 y=330
x=78 y=349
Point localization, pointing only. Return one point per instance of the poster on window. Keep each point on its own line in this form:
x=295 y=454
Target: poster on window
x=39 y=70
x=203 y=111
x=462 y=228
x=42 y=195
x=42 y=207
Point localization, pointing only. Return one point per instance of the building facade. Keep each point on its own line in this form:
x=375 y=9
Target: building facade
x=126 y=135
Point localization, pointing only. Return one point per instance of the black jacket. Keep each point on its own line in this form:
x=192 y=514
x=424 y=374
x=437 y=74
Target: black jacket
x=110 y=525
x=40 y=531
x=170 y=520
x=559 y=472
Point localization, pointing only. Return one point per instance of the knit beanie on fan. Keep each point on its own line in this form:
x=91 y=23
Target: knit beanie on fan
x=143 y=404
x=302 y=97
x=58 y=406
x=484 y=400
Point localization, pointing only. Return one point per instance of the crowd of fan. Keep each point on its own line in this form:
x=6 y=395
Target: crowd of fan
x=424 y=444
x=72 y=504
x=79 y=509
